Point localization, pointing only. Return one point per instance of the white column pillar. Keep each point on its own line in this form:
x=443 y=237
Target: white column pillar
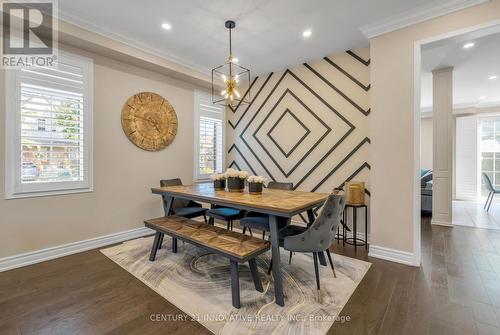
x=442 y=146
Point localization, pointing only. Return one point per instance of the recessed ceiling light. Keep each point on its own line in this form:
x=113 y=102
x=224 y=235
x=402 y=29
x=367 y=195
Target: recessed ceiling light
x=493 y=77
x=307 y=33
x=468 y=45
x=482 y=97
x=166 y=26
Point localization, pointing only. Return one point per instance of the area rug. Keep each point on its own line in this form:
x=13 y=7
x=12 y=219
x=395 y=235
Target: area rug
x=199 y=283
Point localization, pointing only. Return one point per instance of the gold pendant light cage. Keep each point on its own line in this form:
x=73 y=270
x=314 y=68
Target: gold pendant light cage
x=230 y=81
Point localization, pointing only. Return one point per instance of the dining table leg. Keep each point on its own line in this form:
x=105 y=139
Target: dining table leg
x=167 y=204
x=275 y=248
x=321 y=255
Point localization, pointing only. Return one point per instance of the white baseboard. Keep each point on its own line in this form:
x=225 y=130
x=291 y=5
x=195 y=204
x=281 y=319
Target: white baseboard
x=42 y=255
x=392 y=255
x=441 y=223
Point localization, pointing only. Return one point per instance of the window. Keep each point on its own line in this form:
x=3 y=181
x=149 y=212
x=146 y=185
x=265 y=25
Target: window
x=209 y=127
x=49 y=128
x=490 y=151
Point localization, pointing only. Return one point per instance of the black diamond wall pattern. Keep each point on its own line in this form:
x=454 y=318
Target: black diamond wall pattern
x=287 y=153
x=271 y=156
x=325 y=105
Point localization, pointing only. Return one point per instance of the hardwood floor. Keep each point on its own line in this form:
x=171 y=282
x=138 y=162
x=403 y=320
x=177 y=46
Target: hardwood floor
x=83 y=294
x=456 y=291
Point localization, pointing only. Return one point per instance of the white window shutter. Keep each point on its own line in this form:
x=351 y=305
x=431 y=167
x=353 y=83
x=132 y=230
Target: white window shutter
x=466 y=156
x=209 y=132
x=49 y=134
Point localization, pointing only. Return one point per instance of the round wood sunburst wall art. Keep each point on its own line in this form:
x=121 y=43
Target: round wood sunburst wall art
x=149 y=121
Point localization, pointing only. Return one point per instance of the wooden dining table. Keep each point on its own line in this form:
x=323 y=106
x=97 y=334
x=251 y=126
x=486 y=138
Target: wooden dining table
x=273 y=202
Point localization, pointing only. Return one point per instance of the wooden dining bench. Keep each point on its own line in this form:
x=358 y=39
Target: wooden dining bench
x=237 y=247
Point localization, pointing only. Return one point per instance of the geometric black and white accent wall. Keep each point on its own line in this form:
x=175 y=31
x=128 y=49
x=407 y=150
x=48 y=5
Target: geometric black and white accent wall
x=308 y=125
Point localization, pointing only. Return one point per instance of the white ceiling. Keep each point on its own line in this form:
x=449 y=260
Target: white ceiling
x=268 y=35
x=472 y=68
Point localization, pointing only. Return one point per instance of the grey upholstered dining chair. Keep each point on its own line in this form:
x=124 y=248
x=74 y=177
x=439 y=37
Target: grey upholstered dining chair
x=254 y=220
x=319 y=236
x=492 y=191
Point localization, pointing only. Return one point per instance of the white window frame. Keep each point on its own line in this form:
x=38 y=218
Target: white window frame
x=13 y=186
x=481 y=118
x=199 y=95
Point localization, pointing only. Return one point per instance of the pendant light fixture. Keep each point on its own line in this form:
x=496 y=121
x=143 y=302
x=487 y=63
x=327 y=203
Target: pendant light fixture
x=230 y=81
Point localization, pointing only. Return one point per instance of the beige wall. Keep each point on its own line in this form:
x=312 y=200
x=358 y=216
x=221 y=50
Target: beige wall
x=426 y=143
x=123 y=173
x=393 y=150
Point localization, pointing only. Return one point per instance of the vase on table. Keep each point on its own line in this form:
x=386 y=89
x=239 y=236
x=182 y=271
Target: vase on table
x=236 y=180
x=255 y=188
x=255 y=184
x=219 y=180
x=220 y=184
x=235 y=184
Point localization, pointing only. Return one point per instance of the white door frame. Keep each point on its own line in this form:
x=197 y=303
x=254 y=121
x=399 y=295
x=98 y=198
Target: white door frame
x=417 y=59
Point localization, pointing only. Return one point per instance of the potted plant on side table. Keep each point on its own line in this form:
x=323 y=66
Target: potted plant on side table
x=236 y=180
x=219 y=180
x=255 y=184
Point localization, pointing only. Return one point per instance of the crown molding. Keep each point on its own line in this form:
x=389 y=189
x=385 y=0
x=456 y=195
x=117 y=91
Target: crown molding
x=466 y=108
x=417 y=15
x=79 y=22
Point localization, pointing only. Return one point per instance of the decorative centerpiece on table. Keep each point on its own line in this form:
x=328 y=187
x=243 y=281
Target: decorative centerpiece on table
x=219 y=180
x=236 y=180
x=255 y=184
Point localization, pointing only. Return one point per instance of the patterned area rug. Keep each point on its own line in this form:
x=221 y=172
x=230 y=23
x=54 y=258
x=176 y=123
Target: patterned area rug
x=199 y=283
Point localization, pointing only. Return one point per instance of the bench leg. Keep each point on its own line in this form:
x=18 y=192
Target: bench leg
x=174 y=245
x=235 y=284
x=156 y=242
x=255 y=275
